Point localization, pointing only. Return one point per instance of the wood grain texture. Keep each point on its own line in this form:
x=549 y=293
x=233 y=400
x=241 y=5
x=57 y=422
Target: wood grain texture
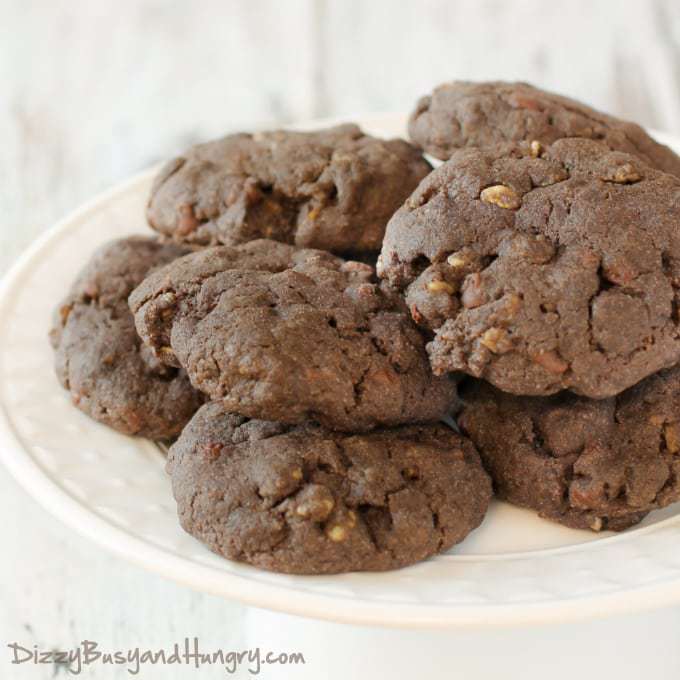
x=622 y=57
x=94 y=91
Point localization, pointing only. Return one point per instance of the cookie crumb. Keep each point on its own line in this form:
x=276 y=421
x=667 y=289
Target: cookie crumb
x=551 y=361
x=671 y=433
x=186 y=222
x=624 y=174
x=596 y=524
x=337 y=533
x=502 y=196
x=496 y=340
x=457 y=261
x=440 y=287
x=473 y=295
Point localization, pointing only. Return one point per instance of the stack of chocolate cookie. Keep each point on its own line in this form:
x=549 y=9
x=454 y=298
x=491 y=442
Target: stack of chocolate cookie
x=543 y=257
x=306 y=390
x=318 y=446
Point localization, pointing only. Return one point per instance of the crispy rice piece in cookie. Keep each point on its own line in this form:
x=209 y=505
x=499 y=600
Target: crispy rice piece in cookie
x=464 y=114
x=111 y=375
x=318 y=341
x=543 y=273
x=306 y=500
x=333 y=189
x=597 y=464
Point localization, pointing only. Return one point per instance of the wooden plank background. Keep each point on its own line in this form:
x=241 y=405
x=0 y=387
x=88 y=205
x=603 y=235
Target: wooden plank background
x=93 y=91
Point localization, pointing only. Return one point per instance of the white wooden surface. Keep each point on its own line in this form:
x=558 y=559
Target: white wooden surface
x=93 y=91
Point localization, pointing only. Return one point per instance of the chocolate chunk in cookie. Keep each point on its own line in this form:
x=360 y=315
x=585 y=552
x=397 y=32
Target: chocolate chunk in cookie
x=463 y=114
x=332 y=189
x=588 y=464
x=305 y=500
x=317 y=341
x=540 y=274
x=111 y=375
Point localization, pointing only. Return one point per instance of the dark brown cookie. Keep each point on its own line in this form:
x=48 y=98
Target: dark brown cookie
x=319 y=341
x=305 y=500
x=463 y=114
x=111 y=375
x=333 y=189
x=588 y=464
x=543 y=273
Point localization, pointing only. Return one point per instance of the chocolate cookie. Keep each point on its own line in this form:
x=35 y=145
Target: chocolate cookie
x=305 y=500
x=333 y=189
x=319 y=341
x=99 y=358
x=462 y=114
x=543 y=273
x=587 y=464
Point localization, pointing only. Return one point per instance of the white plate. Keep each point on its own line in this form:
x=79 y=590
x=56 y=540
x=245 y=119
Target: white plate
x=515 y=569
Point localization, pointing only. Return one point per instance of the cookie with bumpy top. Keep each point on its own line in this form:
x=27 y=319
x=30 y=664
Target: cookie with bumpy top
x=111 y=375
x=463 y=114
x=305 y=500
x=589 y=464
x=317 y=341
x=332 y=189
x=543 y=273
